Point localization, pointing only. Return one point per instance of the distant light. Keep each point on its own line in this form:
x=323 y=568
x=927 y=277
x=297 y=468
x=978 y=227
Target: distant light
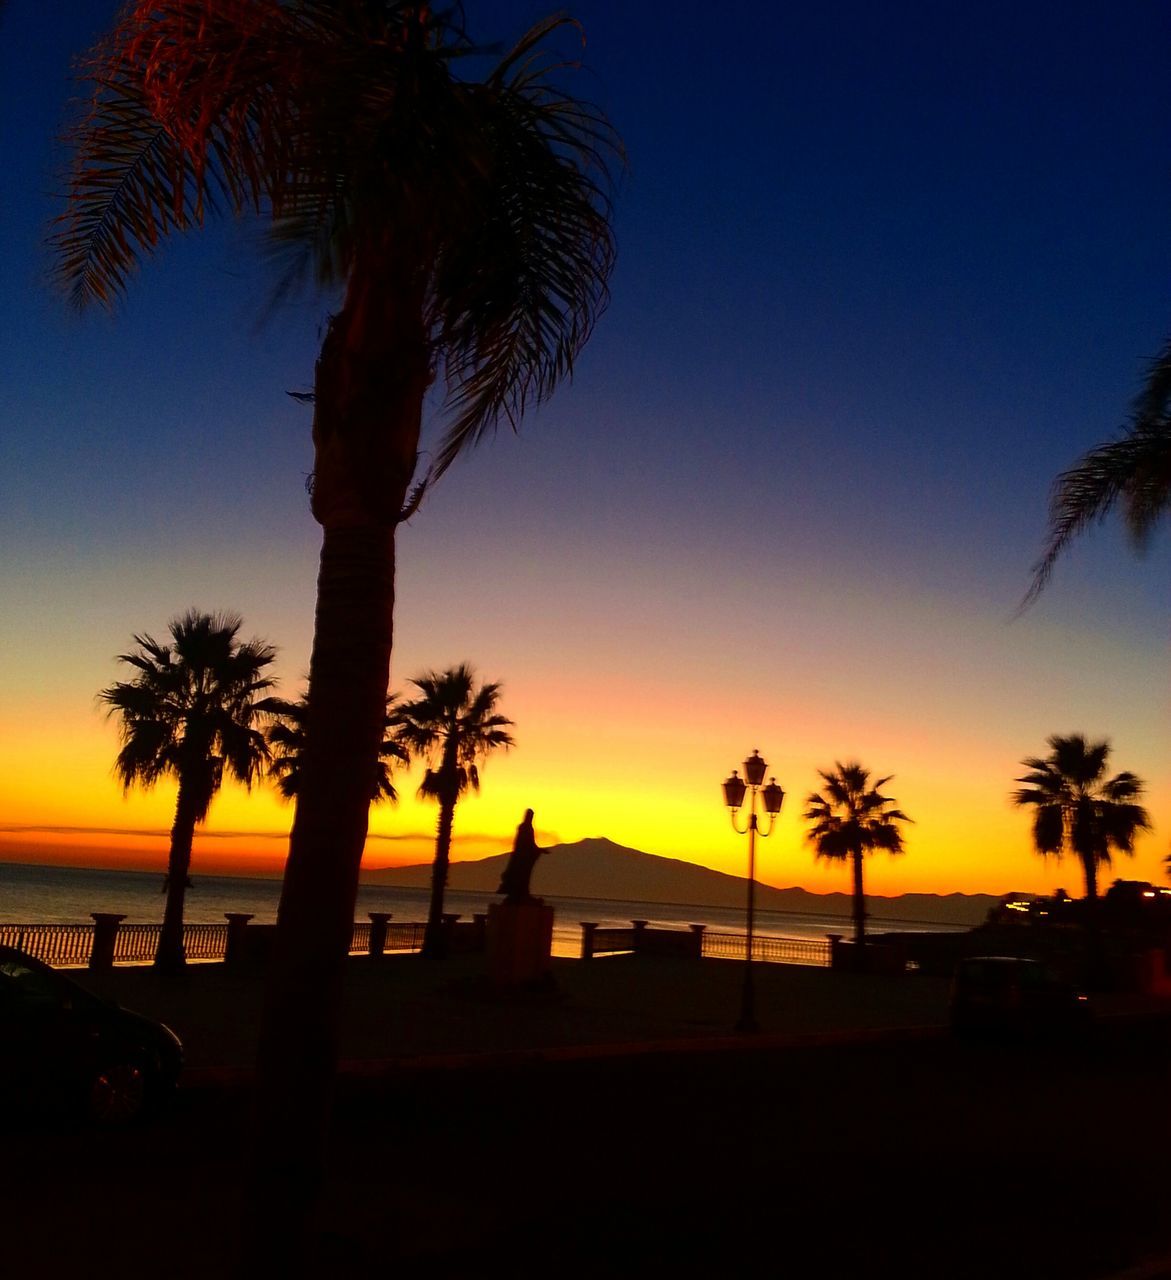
x=1148 y=893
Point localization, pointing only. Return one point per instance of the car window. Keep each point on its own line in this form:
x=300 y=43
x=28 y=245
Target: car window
x=31 y=987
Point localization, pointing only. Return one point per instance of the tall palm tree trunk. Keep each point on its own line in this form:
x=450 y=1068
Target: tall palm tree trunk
x=371 y=377
x=434 y=939
x=170 y=956
x=1090 y=869
x=1095 y=950
x=299 y=1033
x=859 y=901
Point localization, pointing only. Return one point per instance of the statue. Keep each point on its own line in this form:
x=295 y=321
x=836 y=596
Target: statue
x=514 y=883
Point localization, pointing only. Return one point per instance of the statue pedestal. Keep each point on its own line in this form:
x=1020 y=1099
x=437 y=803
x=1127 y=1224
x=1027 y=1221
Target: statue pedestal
x=520 y=942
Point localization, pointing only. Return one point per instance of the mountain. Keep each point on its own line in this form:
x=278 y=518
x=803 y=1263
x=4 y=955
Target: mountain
x=599 y=868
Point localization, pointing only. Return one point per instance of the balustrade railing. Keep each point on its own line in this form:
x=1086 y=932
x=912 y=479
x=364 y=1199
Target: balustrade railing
x=71 y=945
x=699 y=941
x=731 y=946
x=205 y=941
x=405 y=936
x=56 y=944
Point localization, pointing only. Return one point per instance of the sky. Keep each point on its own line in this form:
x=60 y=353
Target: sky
x=884 y=271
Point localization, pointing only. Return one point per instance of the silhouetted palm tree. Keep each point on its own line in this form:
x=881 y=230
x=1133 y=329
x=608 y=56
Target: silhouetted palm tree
x=1134 y=471
x=850 y=818
x=287 y=740
x=190 y=713
x=467 y=225
x=1077 y=809
x=453 y=726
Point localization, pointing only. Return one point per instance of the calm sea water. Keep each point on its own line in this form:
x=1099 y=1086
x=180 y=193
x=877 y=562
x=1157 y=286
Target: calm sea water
x=67 y=895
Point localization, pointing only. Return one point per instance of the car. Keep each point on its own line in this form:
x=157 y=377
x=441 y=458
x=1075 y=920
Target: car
x=1016 y=995
x=66 y=1049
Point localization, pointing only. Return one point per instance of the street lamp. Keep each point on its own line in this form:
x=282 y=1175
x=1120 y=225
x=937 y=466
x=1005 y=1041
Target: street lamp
x=773 y=797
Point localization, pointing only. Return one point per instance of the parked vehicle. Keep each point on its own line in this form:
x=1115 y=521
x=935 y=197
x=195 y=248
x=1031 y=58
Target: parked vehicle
x=1013 y=994
x=66 y=1049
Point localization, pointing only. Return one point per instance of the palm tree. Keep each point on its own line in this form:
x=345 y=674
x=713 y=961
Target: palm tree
x=453 y=726
x=1133 y=470
x=466 y=225
x=850 y=818
x=286 y=743
x=1077 y=809
x=190 y=713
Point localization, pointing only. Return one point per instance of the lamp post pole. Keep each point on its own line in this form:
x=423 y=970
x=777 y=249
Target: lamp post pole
x=773 y=796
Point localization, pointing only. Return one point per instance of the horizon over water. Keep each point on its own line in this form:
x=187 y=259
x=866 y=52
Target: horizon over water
x=50 y=894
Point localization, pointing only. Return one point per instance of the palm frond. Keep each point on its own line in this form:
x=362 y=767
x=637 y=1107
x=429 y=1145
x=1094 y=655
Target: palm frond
x=1076 y=807
x=1134 y=470
x=453 y=723
x=852 y=815
x=192 y=707
x=287 y=737
x=521 y=282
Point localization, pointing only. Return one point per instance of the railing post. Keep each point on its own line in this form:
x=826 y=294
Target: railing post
x=587 y=939
x=106 y=924
x=639 y=929
x=835 y=950
x=235 y=949
x=697 y=932
x=378 y=921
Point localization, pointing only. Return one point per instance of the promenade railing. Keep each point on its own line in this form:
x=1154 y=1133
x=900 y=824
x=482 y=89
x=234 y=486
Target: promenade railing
x=56 y=944
x=697 y=941
x=731 y=946
x=66 y=945
x=72 y=945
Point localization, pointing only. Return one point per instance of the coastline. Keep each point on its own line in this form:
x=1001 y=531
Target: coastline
x=912 y=909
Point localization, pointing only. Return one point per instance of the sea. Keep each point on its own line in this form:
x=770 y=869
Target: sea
x=34 y=894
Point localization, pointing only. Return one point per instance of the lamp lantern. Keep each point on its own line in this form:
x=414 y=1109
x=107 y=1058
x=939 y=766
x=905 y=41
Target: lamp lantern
x=754 y=768
x=734 y=789
x=773 y=796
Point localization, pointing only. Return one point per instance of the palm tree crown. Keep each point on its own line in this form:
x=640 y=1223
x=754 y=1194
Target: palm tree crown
x=347 y=124
x=191 y=710
x=850 y=817
x=286 y=737
x=1078 y=809
x=191 y=713
x=453 y=726
x=1133 y=471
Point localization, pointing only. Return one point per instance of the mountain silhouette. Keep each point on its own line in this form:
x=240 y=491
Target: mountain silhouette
x=599 y=868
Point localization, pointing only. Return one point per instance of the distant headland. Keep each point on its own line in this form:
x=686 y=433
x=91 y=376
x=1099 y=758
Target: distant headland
x=600 y=869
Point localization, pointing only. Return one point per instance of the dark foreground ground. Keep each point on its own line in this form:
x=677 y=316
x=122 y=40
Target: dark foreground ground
x=913 y=1156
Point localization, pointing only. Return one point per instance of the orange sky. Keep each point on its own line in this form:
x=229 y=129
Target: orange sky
x=637 y=757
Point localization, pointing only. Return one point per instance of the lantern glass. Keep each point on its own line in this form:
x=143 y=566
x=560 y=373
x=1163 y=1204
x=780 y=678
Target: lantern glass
x=754 y=768
x=734 y=790
x=773 y=796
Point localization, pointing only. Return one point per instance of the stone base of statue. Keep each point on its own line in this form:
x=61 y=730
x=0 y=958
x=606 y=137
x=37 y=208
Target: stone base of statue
x=519 y=943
